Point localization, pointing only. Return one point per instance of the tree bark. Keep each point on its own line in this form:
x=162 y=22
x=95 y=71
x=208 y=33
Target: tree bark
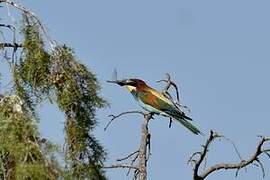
x=143 y=148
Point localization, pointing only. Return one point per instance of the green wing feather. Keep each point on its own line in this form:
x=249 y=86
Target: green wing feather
x=160 y=102
x=184 y=121
x=178 y=115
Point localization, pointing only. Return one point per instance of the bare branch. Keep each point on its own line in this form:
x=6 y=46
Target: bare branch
x=142 y=154
x=7 y=26
x=128 y=156
x=115 y=166
x=266 y=152
x=114 y=117
x=203 y=154
x=191 y=159
x=165 y=92
x=261 y=166
x=12 y=45
x=132 y=162
x=26 y=11
x=169 y=83
x=242 y=164
x=143 y=147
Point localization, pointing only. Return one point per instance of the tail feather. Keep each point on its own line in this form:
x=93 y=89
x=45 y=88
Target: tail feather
x=188 y=118
x=183 y=121
x=177 y=114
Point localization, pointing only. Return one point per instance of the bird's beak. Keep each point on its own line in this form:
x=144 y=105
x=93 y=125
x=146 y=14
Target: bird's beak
x=124 y=82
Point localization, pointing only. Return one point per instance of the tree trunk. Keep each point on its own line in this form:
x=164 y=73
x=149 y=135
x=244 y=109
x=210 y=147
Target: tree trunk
x=143 y=148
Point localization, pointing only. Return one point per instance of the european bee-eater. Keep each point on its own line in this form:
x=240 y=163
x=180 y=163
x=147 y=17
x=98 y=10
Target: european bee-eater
x=155 y=102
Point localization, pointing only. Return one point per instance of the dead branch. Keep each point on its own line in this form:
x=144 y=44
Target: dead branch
x=125 y=166
x=242 y=164
x=169 y=83
x=30 y=13
x=165 y=92
x=11 y=45
x=128 y=156
x=114 y=117
x=142 y=155
x=134 y=157
x=143 y=147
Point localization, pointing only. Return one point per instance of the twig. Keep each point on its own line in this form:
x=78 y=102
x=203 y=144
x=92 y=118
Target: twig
x=169 y=83
x=114 y=166
x=128 y=156
x=132 y=162
x=12 y=45
x=10 y=15
x=191 y=159
x=26 y=11
x=114 y=117
x=203 y=154
x=261 y=166
x=165 y=92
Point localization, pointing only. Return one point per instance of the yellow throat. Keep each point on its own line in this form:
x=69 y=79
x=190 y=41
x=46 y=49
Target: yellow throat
x=130 y=88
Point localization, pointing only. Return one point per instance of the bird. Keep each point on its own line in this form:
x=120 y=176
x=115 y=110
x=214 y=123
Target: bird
x=155 y=102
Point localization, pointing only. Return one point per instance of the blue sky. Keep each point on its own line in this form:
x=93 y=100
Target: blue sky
x=216 y=51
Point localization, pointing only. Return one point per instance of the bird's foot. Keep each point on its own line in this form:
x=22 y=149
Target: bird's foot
x=170 y=124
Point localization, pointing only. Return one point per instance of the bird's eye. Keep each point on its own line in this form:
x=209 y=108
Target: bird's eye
x=131 y=83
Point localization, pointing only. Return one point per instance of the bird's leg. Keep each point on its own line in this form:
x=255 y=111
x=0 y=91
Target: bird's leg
x=148 y=138
x=149 y=144
x=170 y=124
x=151 y=115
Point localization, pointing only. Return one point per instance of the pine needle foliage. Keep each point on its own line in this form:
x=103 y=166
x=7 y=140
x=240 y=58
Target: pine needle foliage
x=23 y=153
x=35 y=64
x=56 y=75
x=76 y=91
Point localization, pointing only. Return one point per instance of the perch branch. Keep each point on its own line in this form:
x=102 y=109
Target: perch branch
x=142 y=155
x=145 y=142
x=114 y=117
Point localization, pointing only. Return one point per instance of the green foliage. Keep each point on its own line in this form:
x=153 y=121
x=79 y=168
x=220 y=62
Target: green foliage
x=58 y=76
x=21 y=91
x=76 y=91
x=31 y=74
x=35 y=67
x=21 y=148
